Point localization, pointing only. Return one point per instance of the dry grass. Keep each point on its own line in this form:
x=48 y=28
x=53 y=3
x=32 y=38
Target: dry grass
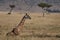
x=50 y=25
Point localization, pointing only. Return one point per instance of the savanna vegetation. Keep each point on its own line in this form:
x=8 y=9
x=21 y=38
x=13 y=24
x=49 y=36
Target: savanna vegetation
x=50 y=25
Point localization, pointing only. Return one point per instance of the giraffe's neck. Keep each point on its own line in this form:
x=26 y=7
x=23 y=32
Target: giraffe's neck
x=22 y=22
x=18 y=28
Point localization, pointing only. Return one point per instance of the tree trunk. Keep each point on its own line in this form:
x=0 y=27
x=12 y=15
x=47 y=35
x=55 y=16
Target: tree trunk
x=10 y=11
x=43 y=13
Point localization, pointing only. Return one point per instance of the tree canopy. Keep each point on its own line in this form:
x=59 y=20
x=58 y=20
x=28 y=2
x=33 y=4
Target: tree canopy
x=44 y=5
x=12 y=6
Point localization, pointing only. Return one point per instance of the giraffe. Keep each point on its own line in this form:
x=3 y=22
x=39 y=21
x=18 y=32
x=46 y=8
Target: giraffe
x=19 y=27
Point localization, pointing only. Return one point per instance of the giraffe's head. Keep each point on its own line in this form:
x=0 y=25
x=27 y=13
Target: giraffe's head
x=27 y=16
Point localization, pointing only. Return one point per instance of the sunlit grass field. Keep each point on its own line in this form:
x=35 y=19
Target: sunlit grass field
x=50 y=24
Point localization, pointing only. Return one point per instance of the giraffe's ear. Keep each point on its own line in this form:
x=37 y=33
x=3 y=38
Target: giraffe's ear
x=29 y=17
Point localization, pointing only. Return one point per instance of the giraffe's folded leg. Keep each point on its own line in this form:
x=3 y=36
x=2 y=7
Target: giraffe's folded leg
x=13 y=32
x=10 y=34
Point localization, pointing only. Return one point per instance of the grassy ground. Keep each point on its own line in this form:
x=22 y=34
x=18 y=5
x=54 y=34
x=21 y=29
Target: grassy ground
x=50 y=24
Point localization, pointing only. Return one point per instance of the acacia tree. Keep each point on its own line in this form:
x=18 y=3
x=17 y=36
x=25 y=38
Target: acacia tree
x=43 y=5
x=11 y=6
